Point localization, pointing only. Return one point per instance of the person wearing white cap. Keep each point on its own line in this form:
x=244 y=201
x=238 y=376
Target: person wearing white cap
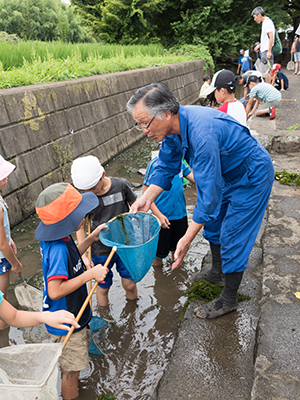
x=115 y=196
x=8 y=249
x=243 y=62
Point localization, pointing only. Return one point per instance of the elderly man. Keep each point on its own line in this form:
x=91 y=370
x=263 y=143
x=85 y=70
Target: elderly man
x=233 y=174
x=266 y=38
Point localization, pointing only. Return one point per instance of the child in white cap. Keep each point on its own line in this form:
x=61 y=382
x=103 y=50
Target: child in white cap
x=115 y=197
x=8 y=249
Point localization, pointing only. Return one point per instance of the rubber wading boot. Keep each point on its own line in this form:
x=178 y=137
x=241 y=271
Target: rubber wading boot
x=214 y=275
x=226 y=302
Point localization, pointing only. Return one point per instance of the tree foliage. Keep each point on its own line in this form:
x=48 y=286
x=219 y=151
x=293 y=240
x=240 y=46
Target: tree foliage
x=223 y=26
x=121 y=21
x=44 y=20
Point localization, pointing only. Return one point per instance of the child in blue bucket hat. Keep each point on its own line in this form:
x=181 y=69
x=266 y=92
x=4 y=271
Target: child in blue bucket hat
x=62 y=211
x=115 y=196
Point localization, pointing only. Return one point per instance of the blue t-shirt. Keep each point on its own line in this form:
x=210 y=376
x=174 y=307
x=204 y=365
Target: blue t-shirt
x=244 y=61
x=170 y=203
x=1 y=297
x=280 y=76
x=61 y=260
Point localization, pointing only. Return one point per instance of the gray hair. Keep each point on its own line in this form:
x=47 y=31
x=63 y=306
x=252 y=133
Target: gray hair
x=156 y=98
x=259 y=10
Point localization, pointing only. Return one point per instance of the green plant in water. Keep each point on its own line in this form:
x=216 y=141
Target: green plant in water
x=63 y=156
x=106 y=397
x=292 y=127
x=285 y=178
x=205 y=292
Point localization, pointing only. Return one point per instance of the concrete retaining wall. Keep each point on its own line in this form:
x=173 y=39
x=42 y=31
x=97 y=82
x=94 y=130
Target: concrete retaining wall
x=43 y=126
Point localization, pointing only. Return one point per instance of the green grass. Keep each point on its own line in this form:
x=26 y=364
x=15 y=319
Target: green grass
x=31 y=63
x=292 y=127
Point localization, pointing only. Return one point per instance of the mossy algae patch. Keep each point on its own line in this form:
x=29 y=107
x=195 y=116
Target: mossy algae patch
x=204 y=292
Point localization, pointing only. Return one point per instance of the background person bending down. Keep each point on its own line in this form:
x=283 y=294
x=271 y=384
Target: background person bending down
x=233 y=173
x=266 y=95
x=243 y=81
x=279 y=79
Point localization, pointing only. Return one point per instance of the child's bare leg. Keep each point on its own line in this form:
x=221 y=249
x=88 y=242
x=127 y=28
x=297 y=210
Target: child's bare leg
x=262 y=112
x=102 y=296
x=69 y=384
x=157 y=262
x=130 y=288
x=4 y=282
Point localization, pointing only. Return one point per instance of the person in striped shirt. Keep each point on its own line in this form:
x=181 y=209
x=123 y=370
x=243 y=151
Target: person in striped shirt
x=268 y=98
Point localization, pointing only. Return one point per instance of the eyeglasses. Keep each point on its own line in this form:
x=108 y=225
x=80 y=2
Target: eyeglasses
x=140 y=127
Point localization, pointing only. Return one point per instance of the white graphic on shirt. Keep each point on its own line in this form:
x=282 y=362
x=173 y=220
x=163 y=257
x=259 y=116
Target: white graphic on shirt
x=113 y=198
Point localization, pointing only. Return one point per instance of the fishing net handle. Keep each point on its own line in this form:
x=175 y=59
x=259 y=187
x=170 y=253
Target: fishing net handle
x=89 y=296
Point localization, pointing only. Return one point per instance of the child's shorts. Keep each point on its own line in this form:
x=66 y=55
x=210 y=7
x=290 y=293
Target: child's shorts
x=268 y=104
x=168 y=238
x=4 y=266
x=75 y=356
x=122 y=270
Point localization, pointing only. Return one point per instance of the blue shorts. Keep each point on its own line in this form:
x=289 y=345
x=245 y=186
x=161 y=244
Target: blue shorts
x=122 y=270
x=4 y=266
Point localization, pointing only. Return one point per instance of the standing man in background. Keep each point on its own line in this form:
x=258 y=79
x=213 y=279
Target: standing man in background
x=266 y=39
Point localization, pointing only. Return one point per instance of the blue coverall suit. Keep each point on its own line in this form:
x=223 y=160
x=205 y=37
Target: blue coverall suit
x=234 y=176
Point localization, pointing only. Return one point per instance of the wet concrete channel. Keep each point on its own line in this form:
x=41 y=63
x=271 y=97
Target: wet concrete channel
x=139 y=341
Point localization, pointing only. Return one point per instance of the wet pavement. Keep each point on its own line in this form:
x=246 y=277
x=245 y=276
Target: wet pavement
x=253 y=353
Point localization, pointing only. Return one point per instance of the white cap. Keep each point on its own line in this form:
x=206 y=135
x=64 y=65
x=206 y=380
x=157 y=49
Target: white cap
x=6 y=168
x=86 y=172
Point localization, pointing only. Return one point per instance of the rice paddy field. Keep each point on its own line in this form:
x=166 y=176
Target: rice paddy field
x=30 y=63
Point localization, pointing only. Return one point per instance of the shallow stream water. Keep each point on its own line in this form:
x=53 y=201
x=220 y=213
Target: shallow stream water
x=138 y=342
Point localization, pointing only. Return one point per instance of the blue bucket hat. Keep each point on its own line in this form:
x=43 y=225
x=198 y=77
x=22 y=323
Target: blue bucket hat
x=61 y=208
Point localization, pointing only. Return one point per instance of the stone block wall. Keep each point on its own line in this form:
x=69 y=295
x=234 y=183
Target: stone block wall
x=43 y=124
